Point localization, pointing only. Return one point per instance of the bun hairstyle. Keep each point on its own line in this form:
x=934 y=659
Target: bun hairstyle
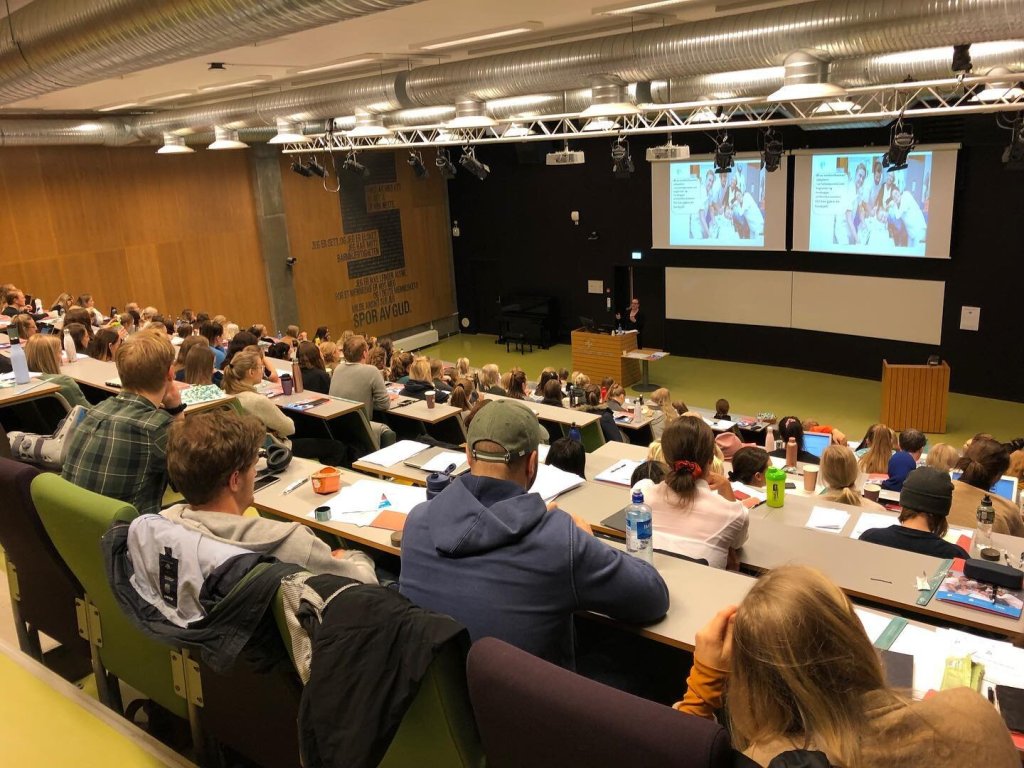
x=790 y=426
x=984 y=461
x=689 y=447
x=747 y=462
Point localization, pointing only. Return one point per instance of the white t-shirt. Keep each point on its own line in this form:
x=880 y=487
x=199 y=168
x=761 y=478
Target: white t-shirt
x=707 y=529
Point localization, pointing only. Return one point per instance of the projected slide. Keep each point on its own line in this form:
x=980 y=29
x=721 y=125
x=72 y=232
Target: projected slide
x=857 y=206
x=716 y=209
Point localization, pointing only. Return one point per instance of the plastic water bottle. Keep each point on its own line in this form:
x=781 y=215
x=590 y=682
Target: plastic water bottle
x=986 y=516
x=638 y=409
x=769 y=439
x=639 y=529
x=575 y=434
x=18 y=362
x=69 y=347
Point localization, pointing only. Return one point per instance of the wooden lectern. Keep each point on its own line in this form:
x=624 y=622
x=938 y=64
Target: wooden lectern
x=915 y=396
x=600 y=354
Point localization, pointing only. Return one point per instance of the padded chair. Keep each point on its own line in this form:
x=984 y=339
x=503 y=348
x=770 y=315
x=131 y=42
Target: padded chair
x=43 y=589
x=531 y=712
x=76 y=520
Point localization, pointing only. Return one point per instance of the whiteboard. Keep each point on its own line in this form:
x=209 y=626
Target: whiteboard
x=879 y=307
x=743 y=296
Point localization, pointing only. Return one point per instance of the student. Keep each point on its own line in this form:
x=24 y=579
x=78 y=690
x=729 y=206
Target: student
x=436 y=375
x=419 y=382
x=182 y=356
x=120 y=449
x=490 y=380
x=331 y=355
x=213 y=332
x=942 y=456
x=104 y=344
x=546 y=375
x=722 y=410
x=517 y=385
x=983 y=463
x=904 y=461
x=926 y=498
x=26 y=327
x=592 y=404
x=42 y=353
x=211 y=459
x=552 y=393
x=662 y=412
x=356 y=380
x=802 y=674
x=695 y=512
x=839 y=475
x=198 y=371
x=464 y=394
x=646 y=476
x=616 y=398
x=790 y=426
x=312 y=368
x=749 y=465
x=495 y=557
x=568 y=455
x=881 y=443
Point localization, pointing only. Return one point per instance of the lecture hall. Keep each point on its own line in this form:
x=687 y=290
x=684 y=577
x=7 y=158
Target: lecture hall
x=464 y=383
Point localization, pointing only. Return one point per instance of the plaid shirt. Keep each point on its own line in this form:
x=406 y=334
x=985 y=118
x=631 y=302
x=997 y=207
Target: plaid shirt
x=120 y=451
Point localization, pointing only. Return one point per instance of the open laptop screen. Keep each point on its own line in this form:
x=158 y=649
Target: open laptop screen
x=816 y=442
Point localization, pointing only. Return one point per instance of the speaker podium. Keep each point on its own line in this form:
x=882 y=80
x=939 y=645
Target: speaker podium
x=915 y=396
x=601 y=354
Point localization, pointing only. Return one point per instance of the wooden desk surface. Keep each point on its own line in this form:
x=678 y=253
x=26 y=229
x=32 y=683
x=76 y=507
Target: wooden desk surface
x=419 y=411
x=552 y=413
x=332 y=409
x=21 y=393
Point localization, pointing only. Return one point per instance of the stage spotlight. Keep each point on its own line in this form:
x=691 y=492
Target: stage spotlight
x=353 y=165
x=1013 y=155
x=901 y=144
x=622 y=162
x=771 y=155
x=444 y=164
x=315 y=168
x=962 y=59
x=725 y=151
x=416 y=161
x=300 y=169
x=471 y=164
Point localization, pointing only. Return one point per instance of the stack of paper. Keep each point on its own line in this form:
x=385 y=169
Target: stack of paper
x=552 y=481
x=620 y=473
x=394 y=454
x=827 y=519
x=363 y=502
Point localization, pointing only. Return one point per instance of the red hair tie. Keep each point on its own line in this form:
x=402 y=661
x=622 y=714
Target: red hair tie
x=689 y=466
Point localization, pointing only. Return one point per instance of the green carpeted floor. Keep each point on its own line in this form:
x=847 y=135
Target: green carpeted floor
x=849 y=404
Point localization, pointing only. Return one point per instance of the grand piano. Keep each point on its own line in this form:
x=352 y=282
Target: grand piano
x=533 y=319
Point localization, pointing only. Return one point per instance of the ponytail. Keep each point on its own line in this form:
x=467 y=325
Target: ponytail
x=238 y=369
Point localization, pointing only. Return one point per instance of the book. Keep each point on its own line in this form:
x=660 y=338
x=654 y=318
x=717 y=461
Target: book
x=957 y=588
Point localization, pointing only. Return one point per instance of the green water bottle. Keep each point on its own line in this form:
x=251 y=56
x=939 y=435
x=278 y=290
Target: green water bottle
x=776 y=486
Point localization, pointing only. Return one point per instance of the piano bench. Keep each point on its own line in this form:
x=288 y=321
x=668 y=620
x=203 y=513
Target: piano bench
x=519 y=340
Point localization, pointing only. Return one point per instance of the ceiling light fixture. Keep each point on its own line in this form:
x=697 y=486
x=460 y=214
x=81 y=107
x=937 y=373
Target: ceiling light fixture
x=416 y=161
x=174 y=145
x=368 y=126
x=839 y=107
x=515 y=131
x=315 y=168
x=477 y=37
x=239 y=84
x=471 y=164
x=470 y=113
x=352 y=61
x=167 y=97
x=601 y=124
x=609 y=100
x=115 y=107
x=287 y=133
x=353 y=165
x=707 y=115
x=806 y=77
x=725 y=153
x=299 y=168
x=225 y=138
x=444 y=164
x=647 y=5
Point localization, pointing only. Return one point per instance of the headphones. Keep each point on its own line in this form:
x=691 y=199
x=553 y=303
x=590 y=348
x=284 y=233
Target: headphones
x=278 y=457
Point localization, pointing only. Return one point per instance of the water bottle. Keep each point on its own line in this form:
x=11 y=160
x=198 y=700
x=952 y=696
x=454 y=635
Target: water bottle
x=19 y=363
x=69 y=347
x=775 y=483
x=638 y=409
x=986 y=516
x=769 y=439
x=575 y=434
x=639 y=529
x=297 y=376
x=791 y=452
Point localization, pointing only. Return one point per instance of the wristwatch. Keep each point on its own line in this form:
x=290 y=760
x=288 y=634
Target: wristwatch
x=176 y=409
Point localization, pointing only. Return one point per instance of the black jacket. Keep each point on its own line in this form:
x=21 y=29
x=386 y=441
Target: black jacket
x=316 y=380
x=369 y=655
x=913 y=540
x=418 y=389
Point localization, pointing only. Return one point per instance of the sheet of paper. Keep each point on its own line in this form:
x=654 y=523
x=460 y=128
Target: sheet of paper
x=874 y=624
x=754 y=493
x=868 y=520
x=1004 y=664
x=393 y=454
x=620 y=472
x=953 y=534
x=443 y=460
x=929 y=654
x=551 y=481
x=542 y=453
x=361 y=502
x=721 y=425
x=827 y=519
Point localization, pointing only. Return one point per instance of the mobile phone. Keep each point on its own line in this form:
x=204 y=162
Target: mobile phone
x=791 y=486
x=263 y=482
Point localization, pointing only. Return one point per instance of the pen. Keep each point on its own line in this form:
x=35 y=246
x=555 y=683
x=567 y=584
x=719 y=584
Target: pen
x=829 y=527
x=292 y=486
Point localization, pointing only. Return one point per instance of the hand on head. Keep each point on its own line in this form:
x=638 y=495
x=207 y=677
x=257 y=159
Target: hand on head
x=713 y=646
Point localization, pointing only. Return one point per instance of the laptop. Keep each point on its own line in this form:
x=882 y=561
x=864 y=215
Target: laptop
x=1005 y=486
x=423 y=457
x=816 y=442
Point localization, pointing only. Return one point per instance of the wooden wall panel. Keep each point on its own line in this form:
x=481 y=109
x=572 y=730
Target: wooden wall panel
x=131 y=225
x=421 y=290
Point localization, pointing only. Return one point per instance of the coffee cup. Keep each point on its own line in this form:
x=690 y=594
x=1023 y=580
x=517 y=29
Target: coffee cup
x=287 y=384
x=810 y=478
x=430 y=396
x=322 y=514
x=871 y=491
x=327 y=480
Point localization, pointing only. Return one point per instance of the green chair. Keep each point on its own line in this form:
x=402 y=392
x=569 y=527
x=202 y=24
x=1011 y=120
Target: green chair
x=76 y=520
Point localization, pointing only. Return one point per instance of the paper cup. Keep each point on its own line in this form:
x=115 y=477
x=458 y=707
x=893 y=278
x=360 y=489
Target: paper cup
x=871 y=491
x=430 y=396
x=810 y=478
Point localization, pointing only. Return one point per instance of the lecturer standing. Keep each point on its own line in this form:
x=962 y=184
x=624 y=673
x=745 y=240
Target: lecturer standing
x=632 y=320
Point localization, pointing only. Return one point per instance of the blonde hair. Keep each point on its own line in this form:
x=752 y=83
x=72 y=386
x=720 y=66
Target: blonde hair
x=238 y=369
x=944 y=457
x=801 y=664
x=839 y=472
x=876 y=460
x=655 y=452
x=144 y=361
x=490 y=376
x=462 y=369
x=330 y=353
x=662 y=400
x=42 y=353
x=420 y=370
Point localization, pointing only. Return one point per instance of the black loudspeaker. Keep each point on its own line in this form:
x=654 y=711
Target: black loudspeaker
x=994 y=573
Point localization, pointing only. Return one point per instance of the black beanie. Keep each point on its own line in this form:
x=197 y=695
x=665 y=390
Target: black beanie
x=927 y=489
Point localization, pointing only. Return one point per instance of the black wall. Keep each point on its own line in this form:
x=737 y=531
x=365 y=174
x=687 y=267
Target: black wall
x=517 y=237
